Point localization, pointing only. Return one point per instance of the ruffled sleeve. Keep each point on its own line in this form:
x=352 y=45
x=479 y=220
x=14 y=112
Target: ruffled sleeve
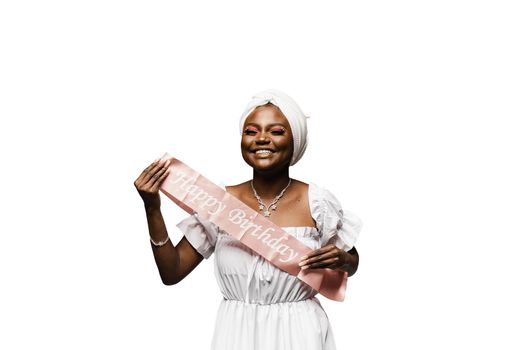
x=338 y=226
x=201 y=233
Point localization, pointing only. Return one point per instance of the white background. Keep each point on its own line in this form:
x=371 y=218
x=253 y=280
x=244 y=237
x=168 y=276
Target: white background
x=416 y=111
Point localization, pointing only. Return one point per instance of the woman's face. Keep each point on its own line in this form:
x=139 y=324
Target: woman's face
x=267 y=128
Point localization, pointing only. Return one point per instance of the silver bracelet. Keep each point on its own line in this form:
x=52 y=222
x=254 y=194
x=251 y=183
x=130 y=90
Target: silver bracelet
x=159 y=244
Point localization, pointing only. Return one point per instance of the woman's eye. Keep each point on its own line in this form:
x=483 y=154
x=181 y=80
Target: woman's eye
x=274 y=132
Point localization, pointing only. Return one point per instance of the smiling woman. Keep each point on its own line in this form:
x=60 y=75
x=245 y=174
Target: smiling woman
x=267 y=141
x=263 y=307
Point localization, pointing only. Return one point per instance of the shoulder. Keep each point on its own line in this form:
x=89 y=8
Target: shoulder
x=337 y=224
x=322 y=194
x=239 y=185
x=237 y=190
x=326 y=205
x=229 y=189
x=300 y=185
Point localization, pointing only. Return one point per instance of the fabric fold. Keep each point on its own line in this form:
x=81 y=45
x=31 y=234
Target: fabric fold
x=339 y=226
x=201 y=233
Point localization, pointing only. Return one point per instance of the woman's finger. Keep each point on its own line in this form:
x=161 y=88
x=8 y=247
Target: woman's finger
x=315 y=258
x=334 y=266
x=320 y=251
x=143 y=177
x=323 y=263
x=155 y=173
x=152 y=184
x=160 y=180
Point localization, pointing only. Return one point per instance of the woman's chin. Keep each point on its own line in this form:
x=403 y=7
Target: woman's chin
x=265 y=163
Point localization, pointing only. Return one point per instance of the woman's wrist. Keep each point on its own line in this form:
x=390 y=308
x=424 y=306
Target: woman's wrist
x=157 y=231
x=159 y=243
x=152 y=209
x=349 y=263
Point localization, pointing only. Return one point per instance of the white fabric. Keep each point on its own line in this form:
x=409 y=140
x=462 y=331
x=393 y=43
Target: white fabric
x=291 y=111
x=263 y=306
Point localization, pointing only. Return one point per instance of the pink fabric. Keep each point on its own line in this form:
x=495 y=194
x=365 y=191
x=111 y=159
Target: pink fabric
x=195 y=193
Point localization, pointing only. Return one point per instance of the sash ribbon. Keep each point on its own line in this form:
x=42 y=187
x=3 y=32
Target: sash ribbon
x=194 y=193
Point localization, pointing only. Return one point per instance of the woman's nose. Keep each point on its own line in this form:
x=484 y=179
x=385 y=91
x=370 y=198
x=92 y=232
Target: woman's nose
x=262 y=138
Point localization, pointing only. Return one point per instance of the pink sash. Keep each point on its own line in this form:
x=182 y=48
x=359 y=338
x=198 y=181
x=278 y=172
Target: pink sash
x=195 y=193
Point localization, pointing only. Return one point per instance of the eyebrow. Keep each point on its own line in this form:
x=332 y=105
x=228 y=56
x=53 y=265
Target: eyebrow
x=272 y=124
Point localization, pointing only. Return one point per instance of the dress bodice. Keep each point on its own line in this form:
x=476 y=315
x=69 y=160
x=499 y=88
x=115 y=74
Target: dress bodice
x=243 y=274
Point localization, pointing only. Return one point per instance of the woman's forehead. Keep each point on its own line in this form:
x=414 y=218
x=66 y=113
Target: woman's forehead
x=267 y=114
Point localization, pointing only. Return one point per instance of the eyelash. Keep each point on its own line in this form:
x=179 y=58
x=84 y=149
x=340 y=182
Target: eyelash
x=279 y=132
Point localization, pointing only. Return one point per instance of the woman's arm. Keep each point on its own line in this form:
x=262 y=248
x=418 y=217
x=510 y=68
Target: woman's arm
x=173 y=262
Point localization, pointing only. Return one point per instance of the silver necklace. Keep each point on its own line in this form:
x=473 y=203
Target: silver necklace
x=273 y=204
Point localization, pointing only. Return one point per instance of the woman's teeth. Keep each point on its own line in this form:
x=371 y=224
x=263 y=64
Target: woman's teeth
x=263 y=152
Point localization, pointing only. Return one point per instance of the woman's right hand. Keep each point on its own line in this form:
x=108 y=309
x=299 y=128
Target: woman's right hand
x=149 y=182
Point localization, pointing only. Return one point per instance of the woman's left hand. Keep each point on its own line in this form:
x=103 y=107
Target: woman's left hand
x=328 y=256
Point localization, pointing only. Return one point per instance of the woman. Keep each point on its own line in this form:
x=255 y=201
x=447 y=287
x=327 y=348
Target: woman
x=263 y=307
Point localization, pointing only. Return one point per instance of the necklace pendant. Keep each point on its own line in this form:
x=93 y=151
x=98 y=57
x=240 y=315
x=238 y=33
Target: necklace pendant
x=273 y=204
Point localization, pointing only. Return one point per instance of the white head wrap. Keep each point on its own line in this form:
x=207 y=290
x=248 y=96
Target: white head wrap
x=291 y=111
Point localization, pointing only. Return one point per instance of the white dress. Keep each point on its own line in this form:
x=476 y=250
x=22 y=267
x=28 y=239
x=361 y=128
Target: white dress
x=264 y=307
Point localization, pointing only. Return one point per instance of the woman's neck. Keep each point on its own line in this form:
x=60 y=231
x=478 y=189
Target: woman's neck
x=268 y=186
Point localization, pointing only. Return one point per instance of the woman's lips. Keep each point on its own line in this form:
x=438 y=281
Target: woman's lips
x=263 y=154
